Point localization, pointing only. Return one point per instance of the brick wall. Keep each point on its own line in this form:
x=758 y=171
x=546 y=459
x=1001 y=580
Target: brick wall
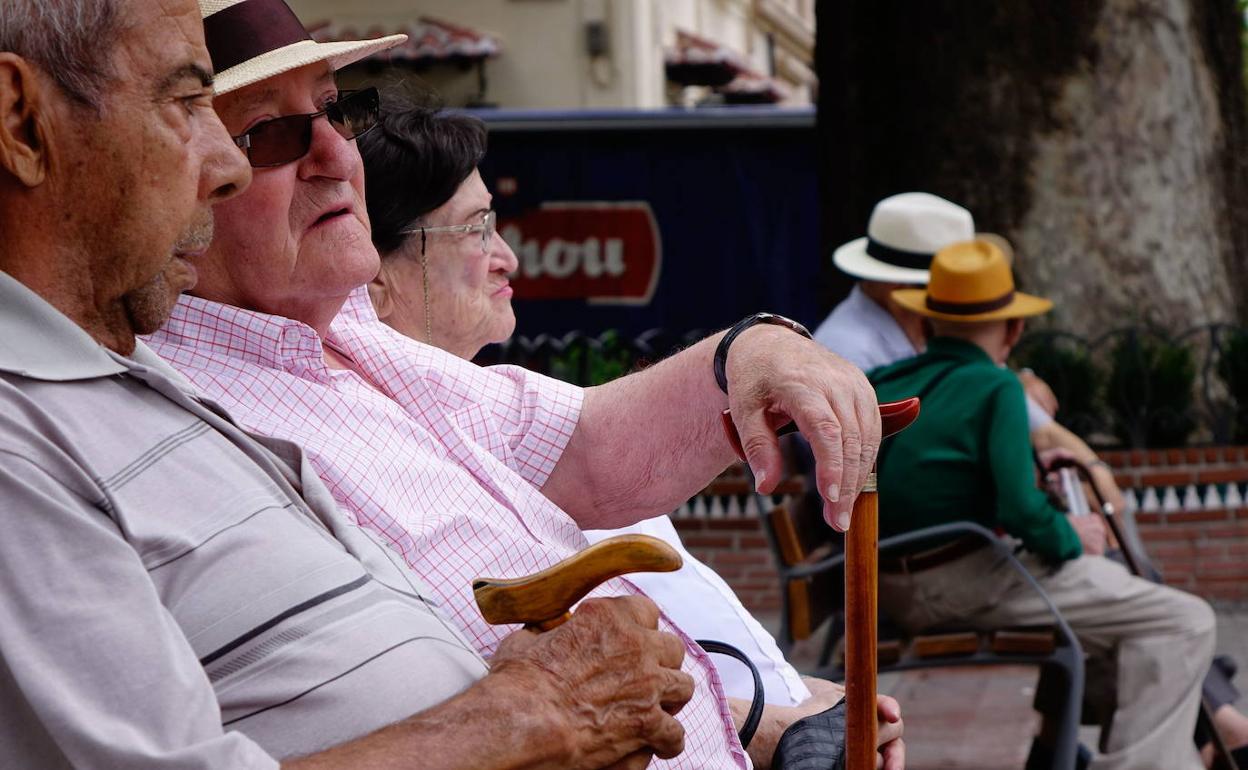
x=1189 y=505
x=736 y=548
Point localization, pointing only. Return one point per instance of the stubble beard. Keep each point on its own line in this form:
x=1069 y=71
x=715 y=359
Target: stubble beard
x=149 y=306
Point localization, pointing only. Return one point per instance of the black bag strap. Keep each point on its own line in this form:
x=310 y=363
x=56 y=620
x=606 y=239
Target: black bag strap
x=746 y=733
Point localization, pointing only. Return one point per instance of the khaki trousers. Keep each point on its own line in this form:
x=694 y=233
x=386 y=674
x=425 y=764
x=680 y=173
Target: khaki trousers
x=1161 y=639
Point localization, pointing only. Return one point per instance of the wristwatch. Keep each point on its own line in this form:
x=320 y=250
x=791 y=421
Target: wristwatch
x=721 y=351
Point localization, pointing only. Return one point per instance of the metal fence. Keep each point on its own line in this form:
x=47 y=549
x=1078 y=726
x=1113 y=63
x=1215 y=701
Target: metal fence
x=588 y=360
x=1146 y=387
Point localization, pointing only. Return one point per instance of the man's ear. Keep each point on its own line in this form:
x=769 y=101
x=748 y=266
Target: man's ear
x=23 y=139
x=1013 y=331
x=379 y=293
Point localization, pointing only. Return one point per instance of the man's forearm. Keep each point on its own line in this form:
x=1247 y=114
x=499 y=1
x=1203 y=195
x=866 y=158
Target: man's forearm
x=483 y=728
x=648 y=441
x=644 y=443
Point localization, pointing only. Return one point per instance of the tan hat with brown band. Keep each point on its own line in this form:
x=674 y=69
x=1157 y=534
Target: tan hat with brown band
x=971 y=281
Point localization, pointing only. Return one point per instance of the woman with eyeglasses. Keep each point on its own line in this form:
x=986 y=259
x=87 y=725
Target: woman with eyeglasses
x=444 y=267
x=443 y=281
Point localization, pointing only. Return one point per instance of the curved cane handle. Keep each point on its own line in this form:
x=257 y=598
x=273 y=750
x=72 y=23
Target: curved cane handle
x=542 y=600
x=895 y=417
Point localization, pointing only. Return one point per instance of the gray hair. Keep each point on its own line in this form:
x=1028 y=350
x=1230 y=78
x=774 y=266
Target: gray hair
x=72 y=41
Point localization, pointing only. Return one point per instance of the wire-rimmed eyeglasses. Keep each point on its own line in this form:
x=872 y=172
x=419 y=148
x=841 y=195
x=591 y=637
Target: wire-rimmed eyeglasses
x=487 y=227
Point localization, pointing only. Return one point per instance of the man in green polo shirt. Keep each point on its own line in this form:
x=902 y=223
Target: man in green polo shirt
x=969 y=457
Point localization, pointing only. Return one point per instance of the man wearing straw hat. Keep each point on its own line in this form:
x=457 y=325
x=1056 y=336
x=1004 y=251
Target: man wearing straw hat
x=903 y=233
x=968 y=456
x=178 y=594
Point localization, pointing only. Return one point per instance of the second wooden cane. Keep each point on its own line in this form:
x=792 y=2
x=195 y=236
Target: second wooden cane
x=861 y=606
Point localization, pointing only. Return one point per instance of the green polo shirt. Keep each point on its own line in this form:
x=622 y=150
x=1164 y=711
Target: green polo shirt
x=968 y=455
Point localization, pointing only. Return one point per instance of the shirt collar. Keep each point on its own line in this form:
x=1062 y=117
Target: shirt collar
x=863 y=304
x=880 y=319
x=952 y=347
x=40 y=342
x=358 y=309
x=258 y=338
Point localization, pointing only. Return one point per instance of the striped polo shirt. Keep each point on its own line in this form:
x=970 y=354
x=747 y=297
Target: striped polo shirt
x=178 y=593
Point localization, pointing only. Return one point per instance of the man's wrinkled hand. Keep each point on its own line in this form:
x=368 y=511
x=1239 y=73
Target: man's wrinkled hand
x=1092 y=533
x=888 y=737
x=1053 y=454
x=775 y=376
x=609 y=677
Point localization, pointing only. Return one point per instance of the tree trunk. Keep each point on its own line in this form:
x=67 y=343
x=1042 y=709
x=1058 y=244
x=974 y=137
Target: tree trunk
x=1107 y=139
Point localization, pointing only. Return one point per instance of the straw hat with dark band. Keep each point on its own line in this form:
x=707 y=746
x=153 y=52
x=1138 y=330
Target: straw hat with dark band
x=971 y=281
x=251 y=40
x=903 y=233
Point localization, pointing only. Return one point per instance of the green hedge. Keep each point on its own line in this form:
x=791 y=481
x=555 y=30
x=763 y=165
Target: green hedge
x=1138 y=386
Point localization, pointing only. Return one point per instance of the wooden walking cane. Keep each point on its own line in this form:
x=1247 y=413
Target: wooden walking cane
x=543 y=600
x=862 y=543
x=861 y=559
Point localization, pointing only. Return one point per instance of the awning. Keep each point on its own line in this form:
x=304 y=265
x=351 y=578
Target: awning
x=429 y=41
x=752 y=88
x=696 y=61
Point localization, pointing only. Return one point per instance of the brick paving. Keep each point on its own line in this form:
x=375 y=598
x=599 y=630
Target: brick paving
x=966 y=718
x=948 y=711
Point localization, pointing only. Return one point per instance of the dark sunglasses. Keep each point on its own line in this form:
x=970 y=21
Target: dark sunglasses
x=286 y=139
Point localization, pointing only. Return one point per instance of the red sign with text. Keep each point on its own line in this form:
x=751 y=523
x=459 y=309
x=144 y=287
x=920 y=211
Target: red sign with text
x=604 y=253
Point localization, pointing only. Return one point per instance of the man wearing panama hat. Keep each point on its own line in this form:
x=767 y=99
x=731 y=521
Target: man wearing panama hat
x=467 y=470
x=903 y=233
x=968 y=456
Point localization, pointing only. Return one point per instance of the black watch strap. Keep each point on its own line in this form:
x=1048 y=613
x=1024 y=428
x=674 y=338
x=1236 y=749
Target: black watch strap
x=721 y=351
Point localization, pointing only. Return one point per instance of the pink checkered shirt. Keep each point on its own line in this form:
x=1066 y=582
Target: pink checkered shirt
x=446 y=466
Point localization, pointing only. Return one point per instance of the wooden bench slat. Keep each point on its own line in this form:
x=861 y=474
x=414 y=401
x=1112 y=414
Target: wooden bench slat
x=1012 y=642
x=945 y=645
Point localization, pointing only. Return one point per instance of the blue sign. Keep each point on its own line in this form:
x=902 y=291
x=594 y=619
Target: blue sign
x=698 y=217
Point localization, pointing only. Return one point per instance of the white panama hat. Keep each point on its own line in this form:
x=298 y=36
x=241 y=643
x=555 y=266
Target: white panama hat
x=904 y=233
x=251 y=40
